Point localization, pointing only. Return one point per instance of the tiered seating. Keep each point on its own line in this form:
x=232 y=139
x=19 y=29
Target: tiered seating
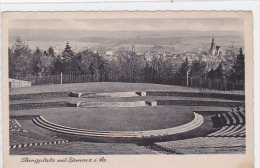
x=207 y=145
x=226 y=130
x=242 y=134
x=234 y=129
x=196 y=122
x=241 y=120
x=239 y=131
x=14 y=125
x=226 y=119
x=233 y=124
x=233 y=119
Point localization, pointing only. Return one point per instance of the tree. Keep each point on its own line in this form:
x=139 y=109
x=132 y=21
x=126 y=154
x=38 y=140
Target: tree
x=51 y=52
x=66 y=59
x=217 y=73
x=19 y=57
x=181 y=75
x=12 y=65
x=239 y=65
x=47 y=64
x=238 y=71
x=184 y=67
x=57 y=65
x=88 y=62
x=67 y=54
x=76 y=63
x=148 y=71
x=103 y=69
x=36 y=62
x=197 y=68
x=156 y=68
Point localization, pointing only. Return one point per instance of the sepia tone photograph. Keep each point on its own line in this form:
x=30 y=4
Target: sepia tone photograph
x=127 y=85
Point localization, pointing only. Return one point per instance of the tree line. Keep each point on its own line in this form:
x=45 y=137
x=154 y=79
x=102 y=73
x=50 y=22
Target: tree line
x=127 y=68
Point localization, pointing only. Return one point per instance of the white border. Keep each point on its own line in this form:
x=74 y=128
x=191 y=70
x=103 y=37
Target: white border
x=253 y=6
x=104 y=1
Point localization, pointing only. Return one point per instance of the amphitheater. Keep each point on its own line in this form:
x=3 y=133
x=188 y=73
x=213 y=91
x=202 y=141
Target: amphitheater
x=125 y=118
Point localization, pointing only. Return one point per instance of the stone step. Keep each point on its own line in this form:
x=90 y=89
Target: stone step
x=233 y=119
x=239 y=117
x=228 y=122
x=236 y=128
x=217 y=132
x=225 y=131
x=115 y=104
x=196 y=122
x=241 y=130
x=107 y=95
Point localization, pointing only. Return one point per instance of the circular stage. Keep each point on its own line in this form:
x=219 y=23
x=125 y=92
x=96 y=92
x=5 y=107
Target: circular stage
x=120 y=119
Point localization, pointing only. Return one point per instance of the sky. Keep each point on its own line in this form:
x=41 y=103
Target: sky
x=223 y=24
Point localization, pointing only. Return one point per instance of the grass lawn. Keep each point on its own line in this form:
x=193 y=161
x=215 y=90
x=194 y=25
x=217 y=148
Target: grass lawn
x=99 y=87
x=105 y=87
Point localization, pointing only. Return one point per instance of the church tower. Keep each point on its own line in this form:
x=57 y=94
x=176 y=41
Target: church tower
x=217 y=50
x=133 y=47
x=212 y=49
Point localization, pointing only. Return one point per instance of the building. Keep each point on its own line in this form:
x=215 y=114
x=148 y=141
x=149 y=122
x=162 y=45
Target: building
x=212 y=49
x=109 y=55
x=133 y=47
x=215 y=50
x=15 y=83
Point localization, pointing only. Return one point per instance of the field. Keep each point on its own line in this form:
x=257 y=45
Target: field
x=102 y=41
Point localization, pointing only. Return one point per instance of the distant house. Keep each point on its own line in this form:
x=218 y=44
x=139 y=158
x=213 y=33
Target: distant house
x=15 y=83
x=178 y=60
x=109 y=55
x=149 y=56
x=206 y=58
x=139 y=53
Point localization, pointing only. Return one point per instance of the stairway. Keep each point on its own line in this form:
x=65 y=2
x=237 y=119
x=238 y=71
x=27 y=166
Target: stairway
x=196 y=122
x=233 y=125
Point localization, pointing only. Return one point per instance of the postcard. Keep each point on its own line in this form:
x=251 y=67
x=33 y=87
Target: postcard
x=128 y=89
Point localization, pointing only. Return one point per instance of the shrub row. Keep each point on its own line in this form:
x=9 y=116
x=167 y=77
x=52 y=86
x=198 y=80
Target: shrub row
x=193 y=94
x=38 y=95
x=199 y=103
x=26 y=106
x=23 y=117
